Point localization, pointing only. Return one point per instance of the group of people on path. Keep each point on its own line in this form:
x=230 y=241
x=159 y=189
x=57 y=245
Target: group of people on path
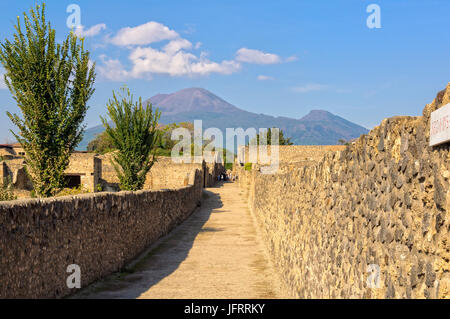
x=226 y=176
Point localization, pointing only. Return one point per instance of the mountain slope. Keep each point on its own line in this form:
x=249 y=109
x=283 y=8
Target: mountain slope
x=191 y=100
x=316 y=128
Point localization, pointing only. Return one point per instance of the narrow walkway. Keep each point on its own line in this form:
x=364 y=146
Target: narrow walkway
x=216 y=253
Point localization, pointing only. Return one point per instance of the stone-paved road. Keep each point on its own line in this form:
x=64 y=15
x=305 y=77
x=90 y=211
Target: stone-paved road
x=216 y=253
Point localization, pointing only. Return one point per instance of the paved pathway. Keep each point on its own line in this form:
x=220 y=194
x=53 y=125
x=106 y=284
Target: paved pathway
x=216 y=253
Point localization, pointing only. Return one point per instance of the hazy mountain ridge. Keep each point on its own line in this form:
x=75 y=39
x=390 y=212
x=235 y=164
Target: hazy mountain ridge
x=317 y=127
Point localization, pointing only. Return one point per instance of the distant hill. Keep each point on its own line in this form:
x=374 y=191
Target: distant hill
x=318 y=127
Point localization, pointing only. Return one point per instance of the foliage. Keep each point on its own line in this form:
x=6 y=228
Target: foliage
x=73 y=191
x=166 y=142
x=343 y=142
x=228 y=156
x=282 y=140
x=6 y=191
x=99 y=188
x=51 y=84
x=102 y=144
x=134 y=134
x=248 y=166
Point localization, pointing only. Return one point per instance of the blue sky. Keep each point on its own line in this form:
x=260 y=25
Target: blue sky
x=282 y=58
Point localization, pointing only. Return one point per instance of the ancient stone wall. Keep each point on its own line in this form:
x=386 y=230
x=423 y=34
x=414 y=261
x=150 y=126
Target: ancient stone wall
x=164 y=173
x=88 y=166
x=100 y=232
x=290 y=153
x=94 y=170
x=14 y=171
x=3 y=173
x=378 y=209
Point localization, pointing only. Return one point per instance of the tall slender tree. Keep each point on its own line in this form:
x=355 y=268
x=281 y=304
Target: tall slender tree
x=51 y=84
x=134 y=133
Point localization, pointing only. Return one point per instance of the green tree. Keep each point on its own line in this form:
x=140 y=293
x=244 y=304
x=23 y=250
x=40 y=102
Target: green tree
x=51 y=84
x=166 y=143
x=101 y=144
x=342 y=141
x=135 y=135
x=282 y=140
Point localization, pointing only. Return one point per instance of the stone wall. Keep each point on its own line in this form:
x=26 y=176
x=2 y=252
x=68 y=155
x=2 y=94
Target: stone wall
x=165 y=174
x=94 y=170
x=85 y=165
x=6 y=152
x=14 y=171
x=88 y=166
x=290 y=153
x=3 y=173
x=382 y=203
x=100 y=232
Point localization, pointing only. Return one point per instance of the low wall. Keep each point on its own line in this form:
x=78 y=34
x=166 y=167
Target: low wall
x=100 y=232
x=378 y=209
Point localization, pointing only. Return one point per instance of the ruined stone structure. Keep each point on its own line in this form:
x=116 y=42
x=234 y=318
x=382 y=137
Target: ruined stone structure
x=370 y=221
x=6 y=151
x=95 y=172
x=165 y=174
x=84 y=169
x=9 y=151
x=290 y=153
x=13 y=171
x=99 y=232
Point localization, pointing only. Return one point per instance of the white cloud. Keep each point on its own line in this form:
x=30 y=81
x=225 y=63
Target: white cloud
x=176 y=63
x=2 y=79
x=256 y=56
x=112 y=69
x=177 y=45
x=143 y=34
x=264 y=78
x=291 y=59
x=310 y=88
x=174 y=58
x=91 y=32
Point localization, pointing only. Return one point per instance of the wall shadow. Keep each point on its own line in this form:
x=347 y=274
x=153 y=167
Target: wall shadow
x=161 y=259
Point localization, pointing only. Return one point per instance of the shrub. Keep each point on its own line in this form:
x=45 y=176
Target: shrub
x=6 y=191
x=229 y=166
x=73 y=191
